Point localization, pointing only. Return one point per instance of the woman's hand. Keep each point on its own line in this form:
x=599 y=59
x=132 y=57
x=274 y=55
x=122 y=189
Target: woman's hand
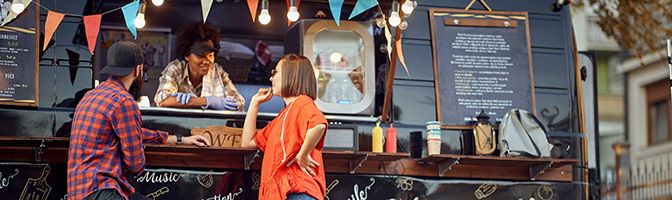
x=306 y=163
x=262 y=96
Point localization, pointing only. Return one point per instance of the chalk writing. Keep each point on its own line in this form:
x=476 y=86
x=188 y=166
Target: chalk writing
x=153 y=177
x=4 y=182
x=362 y=194
x=230 y=196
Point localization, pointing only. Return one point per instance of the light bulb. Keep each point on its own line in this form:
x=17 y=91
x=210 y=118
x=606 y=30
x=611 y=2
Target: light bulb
x=335 y=57
x=264 y=17
x=394 y=19
x=408 y=7
x=380 y=22
x=160 y=2
x=140 y=20
x=403 y=25
x=17 y=6
x=293 y=14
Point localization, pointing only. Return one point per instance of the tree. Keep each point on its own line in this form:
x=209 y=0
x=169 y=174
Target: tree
x=638 y=26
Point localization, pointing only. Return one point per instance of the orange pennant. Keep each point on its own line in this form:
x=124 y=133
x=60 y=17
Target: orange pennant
x=252 y=5
x=53 y=20
x=92 y=26
x=400 y=55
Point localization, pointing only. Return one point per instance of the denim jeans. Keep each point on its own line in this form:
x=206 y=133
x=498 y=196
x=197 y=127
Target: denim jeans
x=299 y=196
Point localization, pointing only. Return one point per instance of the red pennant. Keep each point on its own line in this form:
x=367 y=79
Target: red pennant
x=252 y=5
x=92 y=26
x=53 y=20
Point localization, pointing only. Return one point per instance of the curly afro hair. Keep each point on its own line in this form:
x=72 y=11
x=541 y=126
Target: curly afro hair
x=195 y=32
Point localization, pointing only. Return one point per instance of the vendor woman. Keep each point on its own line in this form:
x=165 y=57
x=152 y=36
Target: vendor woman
x=196 y=81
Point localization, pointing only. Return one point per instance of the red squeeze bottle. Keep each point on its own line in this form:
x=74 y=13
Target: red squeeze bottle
x=391 y=139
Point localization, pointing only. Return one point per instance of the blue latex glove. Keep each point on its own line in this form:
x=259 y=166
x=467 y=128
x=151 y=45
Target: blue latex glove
x=183 y=98
x=221 y=103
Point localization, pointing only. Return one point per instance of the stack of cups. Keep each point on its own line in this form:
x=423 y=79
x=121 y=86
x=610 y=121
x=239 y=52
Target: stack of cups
x=433 y=137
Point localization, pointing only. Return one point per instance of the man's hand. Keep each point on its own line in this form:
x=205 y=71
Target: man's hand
x=221 y=103
x=262 y=96
x=306 y=164
x=183 y=98
x=196 y=140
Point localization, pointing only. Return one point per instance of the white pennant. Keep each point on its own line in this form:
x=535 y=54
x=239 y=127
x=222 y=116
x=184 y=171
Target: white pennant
x=388 y=36
x=205 y=6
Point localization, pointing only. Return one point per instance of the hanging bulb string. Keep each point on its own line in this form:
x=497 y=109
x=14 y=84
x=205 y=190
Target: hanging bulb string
x=74 y=15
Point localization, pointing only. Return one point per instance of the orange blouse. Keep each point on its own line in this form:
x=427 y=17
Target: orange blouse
x=280 y=146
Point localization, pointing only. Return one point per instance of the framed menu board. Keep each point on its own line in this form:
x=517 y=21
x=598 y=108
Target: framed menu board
x=482 y=61
x=19 y=56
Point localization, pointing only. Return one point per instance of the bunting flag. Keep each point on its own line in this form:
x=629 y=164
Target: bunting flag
x=205 y=8
x=11 y=15
x=335 y=7
x=388 y=36
x=92 y=26
x=361 y=6
x=73 y=61
x=252 y=5
x=130 y=11
x=400 y=55
x=53 y=20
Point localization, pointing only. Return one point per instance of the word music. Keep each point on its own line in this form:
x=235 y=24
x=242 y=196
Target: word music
x=153 y=177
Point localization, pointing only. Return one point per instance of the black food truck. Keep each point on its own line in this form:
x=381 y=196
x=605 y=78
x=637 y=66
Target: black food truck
x=443 y=73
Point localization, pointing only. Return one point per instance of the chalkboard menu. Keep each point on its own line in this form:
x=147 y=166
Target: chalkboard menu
x=482 y=61
x=19 y=58
x=25 y=181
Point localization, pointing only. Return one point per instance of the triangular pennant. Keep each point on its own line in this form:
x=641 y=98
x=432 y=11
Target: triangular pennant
x=73 y=61
x=11 y=16
x=130 y=11
x=92 y=26
x=335 y=7
x=400 y=55
x=361 y=6
x=388 y=36
x=205 y=8
x=252 y=5
x=53 y=20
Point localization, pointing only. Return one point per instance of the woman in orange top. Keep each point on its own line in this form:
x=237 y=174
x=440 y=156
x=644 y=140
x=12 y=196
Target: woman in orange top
x=292 y=143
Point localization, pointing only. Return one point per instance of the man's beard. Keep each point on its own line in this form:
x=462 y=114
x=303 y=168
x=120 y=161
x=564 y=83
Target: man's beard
x=136 y=88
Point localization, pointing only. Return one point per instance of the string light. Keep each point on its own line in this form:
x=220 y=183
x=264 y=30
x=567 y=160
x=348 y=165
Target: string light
x=264 y=17
x=17 y=6
x=140 y=19
x=394 y=15
x=293 y=13
x=160 y=2
x=408 y=7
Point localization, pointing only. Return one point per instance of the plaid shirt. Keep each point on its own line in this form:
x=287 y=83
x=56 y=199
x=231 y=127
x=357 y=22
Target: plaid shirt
x=175 y=78
x=105 y=139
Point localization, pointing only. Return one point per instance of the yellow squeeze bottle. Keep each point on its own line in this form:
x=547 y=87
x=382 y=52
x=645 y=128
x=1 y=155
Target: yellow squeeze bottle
x=377 y=139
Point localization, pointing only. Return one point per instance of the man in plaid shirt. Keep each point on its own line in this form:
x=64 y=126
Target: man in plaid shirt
x=107 y=134
x=197 y=81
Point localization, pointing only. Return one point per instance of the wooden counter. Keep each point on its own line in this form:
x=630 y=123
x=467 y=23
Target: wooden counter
x=55 y=150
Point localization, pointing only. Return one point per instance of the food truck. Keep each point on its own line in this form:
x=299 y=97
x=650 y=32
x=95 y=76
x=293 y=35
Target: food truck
x=437 y=71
